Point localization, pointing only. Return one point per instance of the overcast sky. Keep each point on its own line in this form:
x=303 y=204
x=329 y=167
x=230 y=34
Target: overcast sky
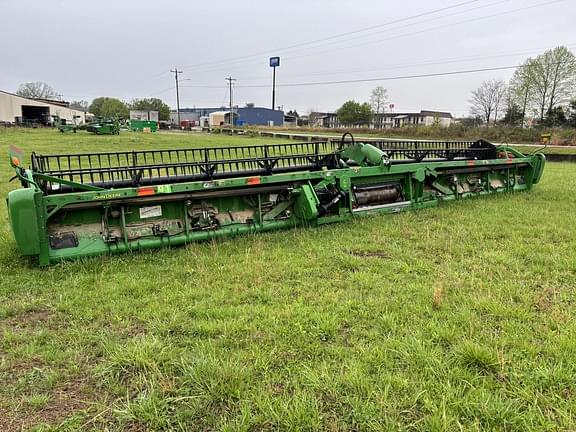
x=126 y=48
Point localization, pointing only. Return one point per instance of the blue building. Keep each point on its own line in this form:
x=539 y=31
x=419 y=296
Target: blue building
x=260 y=116
x=248 y=115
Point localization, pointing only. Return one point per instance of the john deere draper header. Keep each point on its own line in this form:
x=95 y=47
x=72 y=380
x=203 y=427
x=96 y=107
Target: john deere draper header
x=77 y=205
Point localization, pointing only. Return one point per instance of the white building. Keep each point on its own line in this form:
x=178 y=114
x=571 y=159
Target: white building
x=220 y=118
x=16 y=109
x=422 y=118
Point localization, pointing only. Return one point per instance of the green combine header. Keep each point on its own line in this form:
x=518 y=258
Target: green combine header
x=104 y=127
x=79 y=205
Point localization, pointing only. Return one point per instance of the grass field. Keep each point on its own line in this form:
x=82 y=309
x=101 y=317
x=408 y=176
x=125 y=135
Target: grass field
x=568 y=150
x=457 y=132
x=454 y=318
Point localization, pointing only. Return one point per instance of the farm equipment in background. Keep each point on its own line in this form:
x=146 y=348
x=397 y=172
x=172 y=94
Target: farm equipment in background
x=187 y=125
x=104 y=127
x=63 y=126
x=143 y=125
x=79 y=205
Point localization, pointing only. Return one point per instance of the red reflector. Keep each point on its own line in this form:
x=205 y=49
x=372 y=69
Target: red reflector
x=253 y=181
x=146 y=191
x=471 y=163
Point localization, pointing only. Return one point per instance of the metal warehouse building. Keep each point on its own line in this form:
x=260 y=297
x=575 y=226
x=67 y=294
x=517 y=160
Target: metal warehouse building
x=244 y=115
x=20 y=110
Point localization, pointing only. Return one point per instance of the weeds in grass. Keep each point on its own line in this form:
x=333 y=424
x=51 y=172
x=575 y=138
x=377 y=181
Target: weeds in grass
x=437 y=297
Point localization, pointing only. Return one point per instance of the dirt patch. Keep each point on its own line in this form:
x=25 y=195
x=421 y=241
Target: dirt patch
x=72 y=396
x=31 y=321
x=133 y=330
x=370 y=254
x=19 y=367
x=135 y=427
x=545 y=299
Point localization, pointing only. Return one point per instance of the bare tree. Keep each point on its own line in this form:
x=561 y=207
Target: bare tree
x=500 y=90
x=37 y=90
x=312 y=116
x=378 y=100
x=81 y=105
x=553 y=77
x=487 y=99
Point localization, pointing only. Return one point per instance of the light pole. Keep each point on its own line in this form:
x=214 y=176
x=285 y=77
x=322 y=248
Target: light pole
x=274 y=63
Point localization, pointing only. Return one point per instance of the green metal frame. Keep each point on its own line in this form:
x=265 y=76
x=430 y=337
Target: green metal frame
x=111 y=221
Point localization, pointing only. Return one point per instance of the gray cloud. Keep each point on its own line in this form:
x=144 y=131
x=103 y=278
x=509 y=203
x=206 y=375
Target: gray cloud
x=126 y=48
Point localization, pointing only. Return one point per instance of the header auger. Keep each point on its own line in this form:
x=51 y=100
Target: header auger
x=78 y=205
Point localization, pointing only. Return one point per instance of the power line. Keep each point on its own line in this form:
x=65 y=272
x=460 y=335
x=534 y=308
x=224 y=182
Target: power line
x=341 y=35
x=162 y=91
x=209 y=86
x=378 y=41
x=394 y=29
x=425 y=63
x=259 y=53
x=390 y=78
x=418 y=22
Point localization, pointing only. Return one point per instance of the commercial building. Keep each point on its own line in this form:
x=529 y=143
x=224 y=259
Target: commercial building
x=323 y=119
x=242 y=116
x=422 y=118
x=387 y=120
x=16 y=109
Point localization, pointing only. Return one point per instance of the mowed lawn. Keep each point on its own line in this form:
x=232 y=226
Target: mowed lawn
x=454 y=318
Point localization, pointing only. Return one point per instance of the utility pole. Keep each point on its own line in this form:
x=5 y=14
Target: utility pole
x=176 y=72
x=230 y=81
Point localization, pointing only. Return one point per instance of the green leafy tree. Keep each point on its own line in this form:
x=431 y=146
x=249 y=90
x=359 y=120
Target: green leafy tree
x=354 y=113
x=521 y=88
x=553 y=79
x=555 y=117
x=152 y=104
x=514 y=115
x=571 y=120
x=108 y=107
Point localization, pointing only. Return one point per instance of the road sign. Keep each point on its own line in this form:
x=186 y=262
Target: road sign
x=274 y=61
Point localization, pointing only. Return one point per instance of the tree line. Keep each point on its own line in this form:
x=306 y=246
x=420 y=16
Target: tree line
x=542 y=91
x=112 y=107
x=353 y=113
